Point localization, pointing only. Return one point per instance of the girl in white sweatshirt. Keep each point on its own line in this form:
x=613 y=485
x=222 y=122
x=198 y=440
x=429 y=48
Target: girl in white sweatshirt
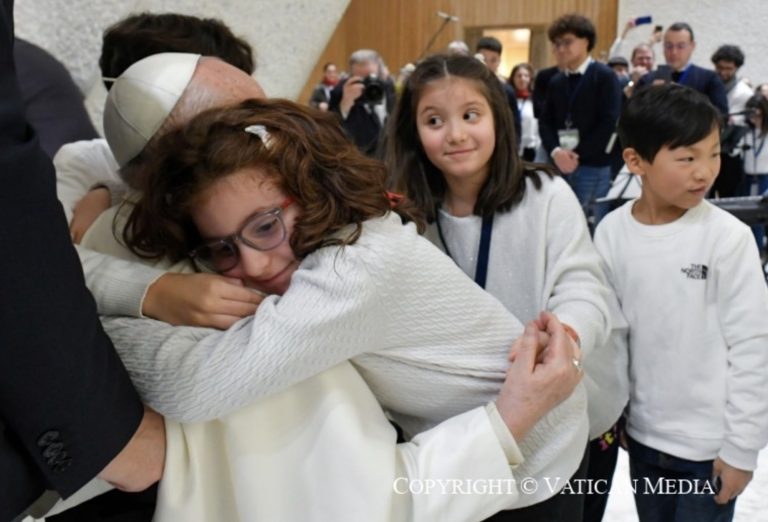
x=512 y=226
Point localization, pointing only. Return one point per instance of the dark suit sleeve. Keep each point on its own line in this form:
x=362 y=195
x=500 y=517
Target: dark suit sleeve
x=336 y=93
x=318 y=96
x=607 y=103
x=67 y=406
x=548 y=119
x=509 y=92
x=54 y=104
x=360 y=125
x=715 y=90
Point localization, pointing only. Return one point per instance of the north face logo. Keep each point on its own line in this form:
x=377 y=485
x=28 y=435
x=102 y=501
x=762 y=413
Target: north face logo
x=695 y=271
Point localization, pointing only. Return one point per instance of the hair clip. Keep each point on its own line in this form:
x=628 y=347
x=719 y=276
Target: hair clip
x=262 y=132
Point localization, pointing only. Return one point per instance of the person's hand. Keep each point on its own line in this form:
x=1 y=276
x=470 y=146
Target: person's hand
x=353 y=89
x=732 y=480
x=638 y=72
x=323 y=106
x=540 y=378
x=542 y=341
x=628 y=27
x=87 y=210
x=140 y=464
x=200 y=300
x=566 y=161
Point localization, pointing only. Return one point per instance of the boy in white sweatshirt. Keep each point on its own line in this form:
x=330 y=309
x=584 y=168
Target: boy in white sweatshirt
x=689 y=280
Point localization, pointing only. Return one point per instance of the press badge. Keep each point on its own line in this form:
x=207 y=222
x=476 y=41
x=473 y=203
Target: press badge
x=569 y=138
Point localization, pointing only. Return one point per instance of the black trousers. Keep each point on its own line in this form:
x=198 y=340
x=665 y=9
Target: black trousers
x=529 y=154
x=603 y=454
x=563 y=507
x=113 y=506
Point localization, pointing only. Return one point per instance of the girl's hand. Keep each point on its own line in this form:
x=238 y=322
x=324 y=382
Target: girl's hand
x=541 y=376
x=86 y=211
x=732 y=481
x=200 y=300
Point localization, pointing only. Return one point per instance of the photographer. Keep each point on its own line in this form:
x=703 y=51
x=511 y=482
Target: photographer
x=364 y=100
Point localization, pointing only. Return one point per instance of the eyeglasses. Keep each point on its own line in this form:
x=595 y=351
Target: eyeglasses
x=262 y=231
x=563 y=42
x=680 y=46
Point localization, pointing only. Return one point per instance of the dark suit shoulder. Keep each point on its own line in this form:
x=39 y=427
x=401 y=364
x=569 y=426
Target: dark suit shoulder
x=68 y=406
x=601 y=69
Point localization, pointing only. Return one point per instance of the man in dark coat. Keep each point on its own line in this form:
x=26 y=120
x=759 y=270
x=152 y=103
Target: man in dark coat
x=68 y=411
x=678 y=48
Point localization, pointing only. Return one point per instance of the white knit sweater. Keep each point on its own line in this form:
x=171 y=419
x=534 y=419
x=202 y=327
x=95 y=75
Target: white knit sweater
x=430 y=343
x=542 y=258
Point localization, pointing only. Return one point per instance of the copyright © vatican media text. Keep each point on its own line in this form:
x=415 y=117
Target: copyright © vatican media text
x=550 y=485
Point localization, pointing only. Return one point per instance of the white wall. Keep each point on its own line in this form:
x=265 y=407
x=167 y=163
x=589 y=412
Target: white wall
x=714 y=22
x=287 y=35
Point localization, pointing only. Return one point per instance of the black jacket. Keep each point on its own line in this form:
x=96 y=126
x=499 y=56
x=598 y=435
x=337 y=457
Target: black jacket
x=595 y=105
x=362 y=124
x=703 y=80
x=67 y=406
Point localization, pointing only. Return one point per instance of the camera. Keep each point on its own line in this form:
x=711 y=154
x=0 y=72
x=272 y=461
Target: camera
x=373 y=90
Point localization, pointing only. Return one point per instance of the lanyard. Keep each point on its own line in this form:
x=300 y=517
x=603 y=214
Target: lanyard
x=483 y=250
x=572 y=96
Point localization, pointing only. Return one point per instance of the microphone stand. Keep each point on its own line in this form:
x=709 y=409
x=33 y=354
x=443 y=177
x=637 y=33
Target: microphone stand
x=446 y=21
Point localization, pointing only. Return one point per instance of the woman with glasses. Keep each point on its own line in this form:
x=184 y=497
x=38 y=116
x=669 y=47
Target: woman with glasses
x=275 y=196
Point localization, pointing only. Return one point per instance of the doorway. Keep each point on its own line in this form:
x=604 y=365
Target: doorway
x=520 y=44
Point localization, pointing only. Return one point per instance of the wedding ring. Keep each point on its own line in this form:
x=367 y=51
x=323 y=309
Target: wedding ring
x=577 y=364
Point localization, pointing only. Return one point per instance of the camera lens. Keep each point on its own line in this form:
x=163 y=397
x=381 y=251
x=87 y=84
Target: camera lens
x=374 y=89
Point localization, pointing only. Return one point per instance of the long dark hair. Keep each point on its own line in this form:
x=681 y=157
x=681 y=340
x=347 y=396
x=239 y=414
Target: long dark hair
x=409 y=167
x=759 y=102
x=528 y=67
x=308 y=158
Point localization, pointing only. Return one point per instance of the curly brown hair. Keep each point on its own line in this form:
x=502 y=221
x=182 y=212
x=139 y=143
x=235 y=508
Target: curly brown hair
x=309 y=158
x=576 y=24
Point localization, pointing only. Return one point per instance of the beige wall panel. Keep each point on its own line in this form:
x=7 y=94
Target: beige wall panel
x=400 y=29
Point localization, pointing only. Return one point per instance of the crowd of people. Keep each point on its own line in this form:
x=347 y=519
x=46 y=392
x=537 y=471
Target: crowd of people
x=394 y=289
x=591 y=113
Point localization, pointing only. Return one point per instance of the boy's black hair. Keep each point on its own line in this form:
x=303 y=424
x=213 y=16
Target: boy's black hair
x=669 y=115
x=138 y=36
x=576 y=24
x=489 y=43
x=681 y=26
x=729 y=53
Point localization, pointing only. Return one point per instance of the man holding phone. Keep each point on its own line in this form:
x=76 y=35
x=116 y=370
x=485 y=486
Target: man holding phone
x=679 y=45
x=616 y=47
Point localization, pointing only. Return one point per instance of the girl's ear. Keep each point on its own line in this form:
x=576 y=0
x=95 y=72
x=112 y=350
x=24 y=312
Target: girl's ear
x=634 y=161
